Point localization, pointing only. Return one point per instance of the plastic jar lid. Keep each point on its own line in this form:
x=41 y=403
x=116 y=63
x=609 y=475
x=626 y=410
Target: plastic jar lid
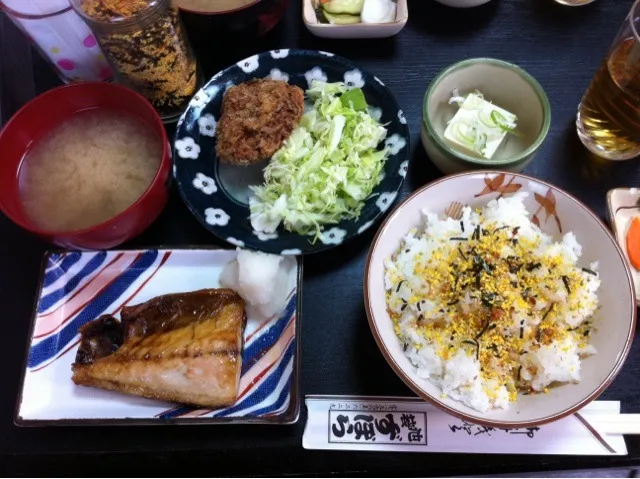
x=128 y=11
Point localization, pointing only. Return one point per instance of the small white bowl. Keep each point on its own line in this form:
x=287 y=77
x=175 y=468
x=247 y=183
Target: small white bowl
x=463 y=3
x=504 y=84
x=623 y=205
x=357 y=30
x=615 y=320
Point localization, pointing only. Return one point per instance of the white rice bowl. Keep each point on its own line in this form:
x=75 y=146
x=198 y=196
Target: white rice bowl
x=573 y=371
x=450 y=364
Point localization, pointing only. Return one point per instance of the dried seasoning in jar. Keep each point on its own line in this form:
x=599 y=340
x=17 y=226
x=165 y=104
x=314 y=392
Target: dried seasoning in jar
x=147 y=46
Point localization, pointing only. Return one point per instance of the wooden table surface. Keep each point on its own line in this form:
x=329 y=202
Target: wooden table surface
x=560 y=46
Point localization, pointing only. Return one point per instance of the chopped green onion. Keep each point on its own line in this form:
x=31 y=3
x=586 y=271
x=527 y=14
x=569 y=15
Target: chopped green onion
x=486 y=120
x=456 y=98
x=481 y=142
x=463 y=136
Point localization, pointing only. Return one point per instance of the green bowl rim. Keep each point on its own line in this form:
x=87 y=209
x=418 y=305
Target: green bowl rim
x=542 y=96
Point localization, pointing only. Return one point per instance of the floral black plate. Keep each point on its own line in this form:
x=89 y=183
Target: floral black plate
x=218 y=194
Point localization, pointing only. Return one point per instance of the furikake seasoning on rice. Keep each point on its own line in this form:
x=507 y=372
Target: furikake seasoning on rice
x=146 y=43
x=489 y=306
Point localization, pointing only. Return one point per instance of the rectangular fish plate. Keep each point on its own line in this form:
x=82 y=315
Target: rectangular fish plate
x=77 y=287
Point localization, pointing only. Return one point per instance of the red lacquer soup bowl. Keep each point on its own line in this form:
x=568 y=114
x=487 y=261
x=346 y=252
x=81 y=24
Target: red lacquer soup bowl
x=50 y=109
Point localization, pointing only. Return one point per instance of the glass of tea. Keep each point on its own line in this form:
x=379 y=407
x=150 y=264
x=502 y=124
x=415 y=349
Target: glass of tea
x=608 y=119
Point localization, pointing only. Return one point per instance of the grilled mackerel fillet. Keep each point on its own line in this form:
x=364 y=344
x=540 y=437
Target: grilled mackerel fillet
x=180 y=347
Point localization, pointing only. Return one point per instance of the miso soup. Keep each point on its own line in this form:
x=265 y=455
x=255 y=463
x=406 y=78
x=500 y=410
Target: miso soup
x=212 y=6
x=89 y=169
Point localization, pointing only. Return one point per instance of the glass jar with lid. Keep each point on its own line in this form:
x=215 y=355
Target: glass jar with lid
x=146 y=44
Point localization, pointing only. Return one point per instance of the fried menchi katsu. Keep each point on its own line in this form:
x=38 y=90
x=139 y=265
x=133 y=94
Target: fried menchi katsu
x=257 y=117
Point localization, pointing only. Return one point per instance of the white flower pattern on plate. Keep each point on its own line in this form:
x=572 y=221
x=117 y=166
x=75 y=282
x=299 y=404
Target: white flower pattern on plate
x=200 y=99
x=375 y=112
x=280 y=53
x=207 y=124
x=395 y=143
x=378 y=80
x=276 y=74
x=212 y=91
x=385 y=200
x=404 y=166
x=265 y=236
x=187 y=148
x=326 y=54
x=315 y=74
x=353 y=79
x=333 y=236
x=216 y=217
x=365 y=227
x=250 y=64
x=290 y=252
x=236 y=242
x=401 y=117
x=205 y=184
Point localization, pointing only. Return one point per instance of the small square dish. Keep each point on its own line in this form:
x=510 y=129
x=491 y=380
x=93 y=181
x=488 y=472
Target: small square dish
x=356 y=30
x=77 y=287
x=623 y=205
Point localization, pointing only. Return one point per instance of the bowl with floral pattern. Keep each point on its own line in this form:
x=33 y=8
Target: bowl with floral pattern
x=610 y=330
x=218 y=194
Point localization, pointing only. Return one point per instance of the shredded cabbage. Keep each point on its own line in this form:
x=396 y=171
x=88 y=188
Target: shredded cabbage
x=326 y=168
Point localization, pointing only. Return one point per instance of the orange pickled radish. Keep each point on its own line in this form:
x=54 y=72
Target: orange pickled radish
x=633 y=242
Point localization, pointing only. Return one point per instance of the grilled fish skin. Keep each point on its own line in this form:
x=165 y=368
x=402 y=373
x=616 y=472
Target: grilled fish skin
x=184 y=347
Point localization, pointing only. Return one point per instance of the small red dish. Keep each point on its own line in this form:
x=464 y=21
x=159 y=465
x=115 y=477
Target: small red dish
x=40 y=116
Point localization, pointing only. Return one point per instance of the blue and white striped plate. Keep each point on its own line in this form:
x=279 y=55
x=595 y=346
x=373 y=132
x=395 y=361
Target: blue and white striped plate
x=77 y=287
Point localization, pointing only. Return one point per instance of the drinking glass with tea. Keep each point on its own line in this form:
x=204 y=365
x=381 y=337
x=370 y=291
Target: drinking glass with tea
x=608 y=120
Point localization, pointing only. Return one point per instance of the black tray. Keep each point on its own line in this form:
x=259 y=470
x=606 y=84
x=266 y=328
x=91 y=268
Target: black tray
x=561 y=46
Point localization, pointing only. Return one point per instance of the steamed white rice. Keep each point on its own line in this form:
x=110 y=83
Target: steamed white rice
x=489 y=306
